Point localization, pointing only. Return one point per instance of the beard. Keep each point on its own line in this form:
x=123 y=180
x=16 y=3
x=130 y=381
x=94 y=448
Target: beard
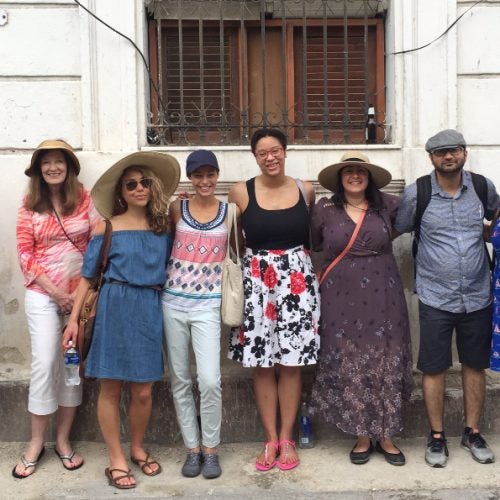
x=450 y=168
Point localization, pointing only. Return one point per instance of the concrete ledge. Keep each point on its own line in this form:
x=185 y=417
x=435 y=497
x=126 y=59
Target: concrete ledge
x=240 y=418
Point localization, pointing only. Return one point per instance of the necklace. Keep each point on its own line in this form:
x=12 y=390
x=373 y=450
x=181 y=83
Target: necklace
x=358 y=206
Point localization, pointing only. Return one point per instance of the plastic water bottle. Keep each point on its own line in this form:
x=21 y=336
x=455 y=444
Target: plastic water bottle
x=305 y=427
x=71 y=366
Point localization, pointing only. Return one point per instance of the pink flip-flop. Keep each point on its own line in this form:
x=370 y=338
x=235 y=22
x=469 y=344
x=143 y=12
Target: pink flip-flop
x=263 y=467
x=284 y=445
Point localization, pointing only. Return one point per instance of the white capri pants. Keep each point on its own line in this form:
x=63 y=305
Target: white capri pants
x=201 y=329
x=47 y=388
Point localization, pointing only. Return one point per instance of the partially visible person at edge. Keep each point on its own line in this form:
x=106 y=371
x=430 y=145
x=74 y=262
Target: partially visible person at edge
x=453 y=286
x=128 y=333
x=191 y=312
x=495 y=340
x=53 y=228
x=282 y=306
x=365 y=367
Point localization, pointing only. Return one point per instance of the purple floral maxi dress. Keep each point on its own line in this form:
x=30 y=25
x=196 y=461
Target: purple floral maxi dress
x=365 y=366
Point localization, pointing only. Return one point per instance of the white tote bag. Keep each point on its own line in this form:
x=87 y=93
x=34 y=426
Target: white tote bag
x=232 y=277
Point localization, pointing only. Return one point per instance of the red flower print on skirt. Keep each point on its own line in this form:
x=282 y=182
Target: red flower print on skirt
x=270 y=277
x=277 y=252
x=255 y=267
x=298 y=283
x=242 y=335
x=271 y=311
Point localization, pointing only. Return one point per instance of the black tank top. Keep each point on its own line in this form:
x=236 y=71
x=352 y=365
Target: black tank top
x=274 y=229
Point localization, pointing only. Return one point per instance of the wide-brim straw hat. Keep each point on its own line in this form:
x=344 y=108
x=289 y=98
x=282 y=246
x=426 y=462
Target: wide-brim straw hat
x=165 y=166
x=52 y=144
x=329 y=176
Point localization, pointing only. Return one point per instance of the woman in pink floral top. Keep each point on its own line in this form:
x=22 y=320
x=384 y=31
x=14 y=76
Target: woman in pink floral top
x=53 y=228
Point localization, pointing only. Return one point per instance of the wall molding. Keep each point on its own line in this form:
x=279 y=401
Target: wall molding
x=396 y=186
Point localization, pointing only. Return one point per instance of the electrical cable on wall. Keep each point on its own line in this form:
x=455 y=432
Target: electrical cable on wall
x=156 y=90
x=440 y=36
x=151 y=81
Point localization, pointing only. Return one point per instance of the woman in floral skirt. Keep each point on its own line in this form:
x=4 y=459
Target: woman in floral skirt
x=280 y=330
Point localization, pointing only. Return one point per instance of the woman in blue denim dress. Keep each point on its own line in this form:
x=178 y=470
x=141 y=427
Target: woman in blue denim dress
x=128 y=332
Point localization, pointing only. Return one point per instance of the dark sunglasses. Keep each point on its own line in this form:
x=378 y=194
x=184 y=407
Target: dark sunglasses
x=132 y=184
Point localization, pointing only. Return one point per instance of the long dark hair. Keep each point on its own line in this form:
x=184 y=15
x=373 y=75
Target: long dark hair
x=38 y=196
x=372 y=194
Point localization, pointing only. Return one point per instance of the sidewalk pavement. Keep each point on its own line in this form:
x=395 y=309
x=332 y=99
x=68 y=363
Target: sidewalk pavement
x=324 y=472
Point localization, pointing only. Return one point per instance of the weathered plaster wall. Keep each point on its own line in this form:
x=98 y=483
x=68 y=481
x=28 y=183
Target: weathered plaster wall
x=64 y=75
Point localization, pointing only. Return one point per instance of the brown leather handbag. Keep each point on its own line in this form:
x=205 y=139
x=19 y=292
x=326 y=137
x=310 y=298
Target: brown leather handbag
x=89 y=306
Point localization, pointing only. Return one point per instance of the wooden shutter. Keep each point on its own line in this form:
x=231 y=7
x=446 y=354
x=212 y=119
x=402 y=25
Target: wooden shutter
x=198 y=89
x=350 y=82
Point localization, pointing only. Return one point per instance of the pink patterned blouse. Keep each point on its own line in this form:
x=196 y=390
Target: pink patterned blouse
x=43 y=248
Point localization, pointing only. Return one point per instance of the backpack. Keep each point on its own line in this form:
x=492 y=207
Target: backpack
x=424 y=191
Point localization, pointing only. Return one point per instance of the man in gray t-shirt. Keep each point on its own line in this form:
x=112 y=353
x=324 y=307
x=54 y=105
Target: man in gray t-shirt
x=453 y=285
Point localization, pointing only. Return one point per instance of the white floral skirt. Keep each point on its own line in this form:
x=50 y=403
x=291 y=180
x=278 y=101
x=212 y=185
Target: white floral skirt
x=282 y=310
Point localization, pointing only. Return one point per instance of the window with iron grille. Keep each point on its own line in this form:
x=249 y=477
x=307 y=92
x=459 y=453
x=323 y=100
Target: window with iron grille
x=226 y=67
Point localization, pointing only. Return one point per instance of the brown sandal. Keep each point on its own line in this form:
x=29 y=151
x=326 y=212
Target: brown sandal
x=113 y=481
x=147 y=463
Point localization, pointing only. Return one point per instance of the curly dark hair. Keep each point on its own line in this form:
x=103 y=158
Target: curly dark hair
x=268 y=132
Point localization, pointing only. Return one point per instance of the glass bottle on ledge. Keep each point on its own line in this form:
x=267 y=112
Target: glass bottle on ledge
x=371 y=126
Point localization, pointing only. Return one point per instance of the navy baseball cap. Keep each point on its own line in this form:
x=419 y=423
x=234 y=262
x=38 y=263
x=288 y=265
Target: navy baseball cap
x=200 y=158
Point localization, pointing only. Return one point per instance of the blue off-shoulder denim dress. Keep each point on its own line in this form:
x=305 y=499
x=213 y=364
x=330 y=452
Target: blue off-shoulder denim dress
x=128 y=332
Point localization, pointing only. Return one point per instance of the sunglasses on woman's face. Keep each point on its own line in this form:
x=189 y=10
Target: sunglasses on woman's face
x=132 y=184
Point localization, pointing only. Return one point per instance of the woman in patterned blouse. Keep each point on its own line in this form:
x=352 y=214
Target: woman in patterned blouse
x=53 y=227
x=191 y=312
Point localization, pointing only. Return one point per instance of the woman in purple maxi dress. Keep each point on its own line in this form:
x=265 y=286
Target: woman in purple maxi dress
x=365 y=366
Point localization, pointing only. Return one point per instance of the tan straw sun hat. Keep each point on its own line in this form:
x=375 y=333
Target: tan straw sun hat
x=329 y=176
x=165 y=166
x=52 y=144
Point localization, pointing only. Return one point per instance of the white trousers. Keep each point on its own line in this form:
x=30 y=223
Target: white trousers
x=202 y=330
x=47 y=388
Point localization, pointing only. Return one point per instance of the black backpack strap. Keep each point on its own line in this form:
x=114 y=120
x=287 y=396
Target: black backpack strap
x=481 y=189
x=424 y=191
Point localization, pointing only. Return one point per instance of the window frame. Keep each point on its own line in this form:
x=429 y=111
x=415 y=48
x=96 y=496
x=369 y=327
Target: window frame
x=239 y=131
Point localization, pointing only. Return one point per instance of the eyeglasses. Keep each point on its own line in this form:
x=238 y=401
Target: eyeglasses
x=441 y=153
x=263 y=154
x=132 y=184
